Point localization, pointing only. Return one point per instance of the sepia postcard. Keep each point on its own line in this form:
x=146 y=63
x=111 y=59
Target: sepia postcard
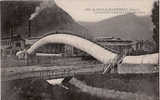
x=79 y=49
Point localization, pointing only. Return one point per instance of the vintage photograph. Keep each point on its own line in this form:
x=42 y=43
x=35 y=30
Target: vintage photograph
x=79 y=49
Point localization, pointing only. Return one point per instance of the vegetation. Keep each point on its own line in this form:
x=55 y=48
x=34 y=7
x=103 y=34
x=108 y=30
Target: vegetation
x=155 y=20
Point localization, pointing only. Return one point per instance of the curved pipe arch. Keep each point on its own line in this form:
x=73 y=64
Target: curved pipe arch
x=98 y=52
x=85 y=45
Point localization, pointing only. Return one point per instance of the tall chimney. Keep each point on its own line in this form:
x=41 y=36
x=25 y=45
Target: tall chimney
x=29 y=28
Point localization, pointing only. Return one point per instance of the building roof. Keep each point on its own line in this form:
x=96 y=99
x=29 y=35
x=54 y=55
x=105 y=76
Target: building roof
x=14 y=37
x=110 y=39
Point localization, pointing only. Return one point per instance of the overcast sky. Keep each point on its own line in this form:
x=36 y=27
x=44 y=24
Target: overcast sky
x=96 y=10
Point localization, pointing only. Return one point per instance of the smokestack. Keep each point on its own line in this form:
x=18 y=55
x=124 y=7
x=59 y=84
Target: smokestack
x=29 y=28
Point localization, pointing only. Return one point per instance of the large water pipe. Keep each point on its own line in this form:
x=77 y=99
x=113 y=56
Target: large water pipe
x=85 y=45
x=108 y=93
x=98 y=52
x=142 y=59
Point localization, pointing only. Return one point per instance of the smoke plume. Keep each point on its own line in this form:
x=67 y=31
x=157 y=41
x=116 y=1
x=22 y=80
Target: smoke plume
x=43 y=5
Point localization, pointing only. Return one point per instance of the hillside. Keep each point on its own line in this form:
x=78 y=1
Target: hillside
x=51 y=20
x=127 y=26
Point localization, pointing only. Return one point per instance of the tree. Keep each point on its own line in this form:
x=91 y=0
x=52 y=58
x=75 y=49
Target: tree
x=155 y=20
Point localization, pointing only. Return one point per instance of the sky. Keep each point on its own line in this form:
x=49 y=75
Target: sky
x=97 y=10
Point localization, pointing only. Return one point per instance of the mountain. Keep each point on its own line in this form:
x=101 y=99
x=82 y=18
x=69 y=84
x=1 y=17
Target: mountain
x=50 y=20
x=127 y=26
